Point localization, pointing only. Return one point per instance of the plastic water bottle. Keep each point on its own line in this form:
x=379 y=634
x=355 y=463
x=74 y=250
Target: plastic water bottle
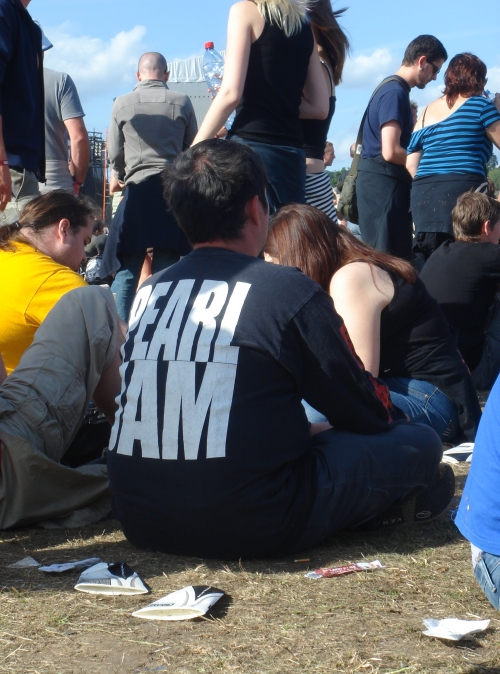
x=213 y=71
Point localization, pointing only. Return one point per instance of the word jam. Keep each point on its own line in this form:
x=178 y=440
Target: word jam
x=187 y=342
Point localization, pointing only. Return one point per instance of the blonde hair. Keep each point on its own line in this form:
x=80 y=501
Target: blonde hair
x=289 y=15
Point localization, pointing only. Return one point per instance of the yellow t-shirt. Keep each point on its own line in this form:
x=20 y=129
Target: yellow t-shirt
x=30 y=284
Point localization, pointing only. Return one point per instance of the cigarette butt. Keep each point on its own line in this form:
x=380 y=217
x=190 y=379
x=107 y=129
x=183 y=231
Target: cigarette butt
x=298 y=561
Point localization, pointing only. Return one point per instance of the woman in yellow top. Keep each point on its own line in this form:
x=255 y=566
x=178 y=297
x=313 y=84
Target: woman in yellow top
x=39 y=257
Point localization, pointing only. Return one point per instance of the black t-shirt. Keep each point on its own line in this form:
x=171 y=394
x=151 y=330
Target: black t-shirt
x=277 y=70
x=390 y=104
x=417 y=343
x=210 y=453
x=462 y=277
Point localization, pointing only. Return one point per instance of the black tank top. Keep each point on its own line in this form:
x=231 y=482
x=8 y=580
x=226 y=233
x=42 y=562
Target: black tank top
x=277 y=71
x=417 y=343
x=315 y=131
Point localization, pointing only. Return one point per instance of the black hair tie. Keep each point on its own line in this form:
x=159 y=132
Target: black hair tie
x=17 y=225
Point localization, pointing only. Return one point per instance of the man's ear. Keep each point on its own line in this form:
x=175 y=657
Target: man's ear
x=63 y=227
x=251 y=210
x=486 y=228
x=167 y=75
x=139 y=78
x=421 y=61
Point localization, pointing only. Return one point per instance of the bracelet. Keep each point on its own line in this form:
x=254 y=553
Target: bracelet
x=4 y=162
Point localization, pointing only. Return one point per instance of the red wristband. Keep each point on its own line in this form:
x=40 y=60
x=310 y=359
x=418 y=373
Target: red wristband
x=4 y=162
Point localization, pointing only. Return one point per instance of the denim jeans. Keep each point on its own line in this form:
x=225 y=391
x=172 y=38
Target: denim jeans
x=361 y=476
x=487 y=572
x=285 y=170
x=426 y=404
x=126 y=280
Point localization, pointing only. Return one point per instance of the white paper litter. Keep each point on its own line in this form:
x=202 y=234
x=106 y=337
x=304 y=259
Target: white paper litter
x=190 y=602
x=116 y=578
x=461 y=452
x=453 y=628
x=70 y=566
x=26 y=563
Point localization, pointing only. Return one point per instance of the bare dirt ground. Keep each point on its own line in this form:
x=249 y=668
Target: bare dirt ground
x=272 y=619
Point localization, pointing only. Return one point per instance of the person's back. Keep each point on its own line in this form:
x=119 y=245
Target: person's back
x=463 y=275
x=156 y=124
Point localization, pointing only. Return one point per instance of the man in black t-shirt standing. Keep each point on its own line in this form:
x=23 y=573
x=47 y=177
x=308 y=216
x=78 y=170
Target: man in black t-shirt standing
x=211 y=452
x=463 y=277
x=383 y=183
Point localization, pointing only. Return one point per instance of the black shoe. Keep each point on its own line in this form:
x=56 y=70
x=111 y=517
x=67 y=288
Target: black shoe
x=426 y=506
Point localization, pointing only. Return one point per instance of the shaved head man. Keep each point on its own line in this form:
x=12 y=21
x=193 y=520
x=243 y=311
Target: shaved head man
x=152 y=66
x=149 y=128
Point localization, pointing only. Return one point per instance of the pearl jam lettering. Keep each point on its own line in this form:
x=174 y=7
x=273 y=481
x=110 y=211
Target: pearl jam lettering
x=187 y=342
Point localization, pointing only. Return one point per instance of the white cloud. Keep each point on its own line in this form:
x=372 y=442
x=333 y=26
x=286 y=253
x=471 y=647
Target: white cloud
x=367 y=70
x=97 y=66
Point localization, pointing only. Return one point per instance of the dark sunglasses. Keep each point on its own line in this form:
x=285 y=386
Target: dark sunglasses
x=435 y=69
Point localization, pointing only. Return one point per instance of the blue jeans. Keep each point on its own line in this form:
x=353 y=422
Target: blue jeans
x=487 y=572
x=426 y=404
x=359 y=477
x=285 y=170
x=126 y=280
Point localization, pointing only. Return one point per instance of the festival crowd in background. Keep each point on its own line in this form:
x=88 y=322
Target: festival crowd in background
x=249 y=361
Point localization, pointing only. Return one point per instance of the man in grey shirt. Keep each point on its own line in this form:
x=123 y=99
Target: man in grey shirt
x=149 y=128
x=64 y=124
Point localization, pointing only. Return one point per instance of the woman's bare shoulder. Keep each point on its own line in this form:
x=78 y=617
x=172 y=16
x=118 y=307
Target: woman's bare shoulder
x=362 y=277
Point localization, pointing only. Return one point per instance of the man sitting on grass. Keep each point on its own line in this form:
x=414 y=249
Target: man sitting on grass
x=463 y=276
x=211 y=453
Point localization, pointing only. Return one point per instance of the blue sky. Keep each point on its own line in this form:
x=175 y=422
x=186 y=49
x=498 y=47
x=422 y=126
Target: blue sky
x=98 y=43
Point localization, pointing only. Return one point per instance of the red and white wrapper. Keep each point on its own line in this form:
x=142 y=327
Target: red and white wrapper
x=343 y=570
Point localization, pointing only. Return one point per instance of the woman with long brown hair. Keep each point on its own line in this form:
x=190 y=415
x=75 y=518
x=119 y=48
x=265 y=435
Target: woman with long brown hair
x=333 y=47
x=396 y=327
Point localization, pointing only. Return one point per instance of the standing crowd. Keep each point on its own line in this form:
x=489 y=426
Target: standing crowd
x=266 y=378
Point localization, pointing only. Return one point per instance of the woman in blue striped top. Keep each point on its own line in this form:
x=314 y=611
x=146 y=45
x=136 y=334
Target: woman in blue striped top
x=448 y=150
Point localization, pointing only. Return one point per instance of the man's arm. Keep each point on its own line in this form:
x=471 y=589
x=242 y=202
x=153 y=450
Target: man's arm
x=5 y=179
x=116 y=148
x=332 y=379
x=80 y=148
x=390 y=136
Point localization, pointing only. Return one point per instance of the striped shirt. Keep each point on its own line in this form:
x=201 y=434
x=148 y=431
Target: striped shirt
x=459 y=143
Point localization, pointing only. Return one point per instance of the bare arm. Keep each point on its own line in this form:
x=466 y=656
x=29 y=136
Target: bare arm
x=412 y=162
x=390 y=134
x=5 y=179
x=110 y=382
x=80 y=148
x=239 y=41
x=360 y=292
x=115 y=185
x=493 y=133
x=315 y=95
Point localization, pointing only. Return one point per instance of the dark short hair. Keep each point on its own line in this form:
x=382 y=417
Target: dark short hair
x=98 y=226
x=424 y=45
x=465 y=76
x=47 y=210
x=471 y=212
x=208 y=187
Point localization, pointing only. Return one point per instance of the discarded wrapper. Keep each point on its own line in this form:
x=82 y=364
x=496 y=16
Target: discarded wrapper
x=70 y=566
x=26 y=563
x=461 y=452
x=190 y=602
x=116 y=578
x=342 y=570
x=453 y=628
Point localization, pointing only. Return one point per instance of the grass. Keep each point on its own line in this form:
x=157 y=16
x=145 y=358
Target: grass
x=272 y=619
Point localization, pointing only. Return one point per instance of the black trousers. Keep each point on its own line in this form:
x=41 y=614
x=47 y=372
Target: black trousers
x=383 y=196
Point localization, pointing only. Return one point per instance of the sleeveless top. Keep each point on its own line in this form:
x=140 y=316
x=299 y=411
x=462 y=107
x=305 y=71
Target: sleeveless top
x=416 y=343
x=315 y=131
x=457 y=144
x=277 y=69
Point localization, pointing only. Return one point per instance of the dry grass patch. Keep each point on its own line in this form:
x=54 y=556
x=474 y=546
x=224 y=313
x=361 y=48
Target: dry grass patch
x=273 y=620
